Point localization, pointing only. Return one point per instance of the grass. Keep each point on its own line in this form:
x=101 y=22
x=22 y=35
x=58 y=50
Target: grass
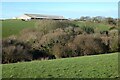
x=97 y=66
x=98 y=26
x=13 y=27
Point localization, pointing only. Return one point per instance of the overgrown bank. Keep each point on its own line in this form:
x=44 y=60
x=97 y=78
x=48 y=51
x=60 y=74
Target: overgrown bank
x=59 y=39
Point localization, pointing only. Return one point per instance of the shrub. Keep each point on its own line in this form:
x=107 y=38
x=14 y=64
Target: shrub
x=119 y=42
x=58 y=50
x=71 y=50
x=33 y=38
x=106 y=40
x=110 y=20
x=30 y=35
x=56 y=36
x=88 y=29
x=47 y=41
x=78 y=31
x=113 y=42
x=87 y=44
x=15 y=51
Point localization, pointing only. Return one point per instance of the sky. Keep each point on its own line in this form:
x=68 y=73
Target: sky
x=66 y=9
x=60 y=0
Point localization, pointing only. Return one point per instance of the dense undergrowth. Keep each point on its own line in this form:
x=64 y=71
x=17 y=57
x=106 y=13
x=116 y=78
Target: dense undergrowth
x=50 y=39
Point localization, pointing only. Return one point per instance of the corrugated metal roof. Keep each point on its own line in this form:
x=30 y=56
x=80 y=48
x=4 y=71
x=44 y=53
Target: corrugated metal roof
x=45 y=16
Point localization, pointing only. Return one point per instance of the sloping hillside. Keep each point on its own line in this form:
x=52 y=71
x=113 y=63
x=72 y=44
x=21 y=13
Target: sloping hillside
x=97 y=66
x=13 y=27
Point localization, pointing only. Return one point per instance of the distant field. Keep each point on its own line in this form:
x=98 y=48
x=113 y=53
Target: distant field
x=97 y=66
x=98 y=26
x=13 y=27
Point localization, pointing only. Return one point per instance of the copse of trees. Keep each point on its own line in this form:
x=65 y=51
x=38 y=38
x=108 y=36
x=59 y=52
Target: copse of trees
x=62 y=39
x=99 y=19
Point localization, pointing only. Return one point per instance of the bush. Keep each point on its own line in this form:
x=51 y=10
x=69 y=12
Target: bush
x=78 y=31
x=52 y=38
x=87 y=45
x=119 y=42
x=113 y=42
x=88 y=29
x=58 y=50
x=71 y=50
x=30 y=35
x=111 y=21
x=15 y=51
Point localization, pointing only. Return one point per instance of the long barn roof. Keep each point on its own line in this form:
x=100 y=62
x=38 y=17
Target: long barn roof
x=45 y=16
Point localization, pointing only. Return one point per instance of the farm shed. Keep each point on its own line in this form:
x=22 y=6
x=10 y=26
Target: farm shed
x=40 y=16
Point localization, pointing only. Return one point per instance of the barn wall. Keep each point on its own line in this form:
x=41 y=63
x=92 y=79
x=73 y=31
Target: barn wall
x=25 y=17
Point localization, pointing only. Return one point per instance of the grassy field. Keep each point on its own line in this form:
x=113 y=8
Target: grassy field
x=97 y=66
x=13 y=27
x=98 y=26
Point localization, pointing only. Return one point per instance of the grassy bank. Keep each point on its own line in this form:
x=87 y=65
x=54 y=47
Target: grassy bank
x=97 y=66
x=13 y=27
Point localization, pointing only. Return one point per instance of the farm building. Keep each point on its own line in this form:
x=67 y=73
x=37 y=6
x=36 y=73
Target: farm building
x=39 y=16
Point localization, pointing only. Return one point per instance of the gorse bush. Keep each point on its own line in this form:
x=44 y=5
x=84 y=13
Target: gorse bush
x=88 y=29
x=14 y=51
